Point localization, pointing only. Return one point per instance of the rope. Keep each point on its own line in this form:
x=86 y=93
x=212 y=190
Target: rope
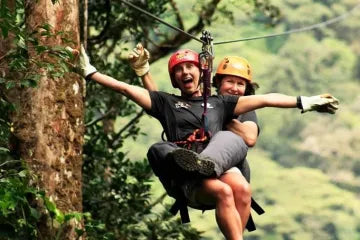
x=307 y=28
x=303 y=29
x=162 y=21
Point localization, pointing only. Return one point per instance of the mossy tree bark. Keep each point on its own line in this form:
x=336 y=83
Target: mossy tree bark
x=48 y=123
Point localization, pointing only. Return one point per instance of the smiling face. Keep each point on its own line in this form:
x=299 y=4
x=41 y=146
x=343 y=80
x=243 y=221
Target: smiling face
x=232 y=85
x=187 y=77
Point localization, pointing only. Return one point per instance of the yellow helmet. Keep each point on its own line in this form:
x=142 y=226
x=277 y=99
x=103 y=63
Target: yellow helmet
x=235 y=66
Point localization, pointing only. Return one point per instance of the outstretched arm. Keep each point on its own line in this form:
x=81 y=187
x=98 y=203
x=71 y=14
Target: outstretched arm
x=148 y=82
x=137 y=94
x=139 y=62
x=320 y=103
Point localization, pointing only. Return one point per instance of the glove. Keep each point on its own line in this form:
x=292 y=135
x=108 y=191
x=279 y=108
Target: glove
x=321 y=103
x=139 y=60
x=86 y=69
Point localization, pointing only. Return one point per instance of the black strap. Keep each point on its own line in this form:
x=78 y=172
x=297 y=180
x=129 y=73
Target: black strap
x=181 y=206
x=250 y=225
x=257 y=208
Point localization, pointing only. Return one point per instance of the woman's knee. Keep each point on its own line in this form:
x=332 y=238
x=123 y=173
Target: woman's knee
x=242 y=192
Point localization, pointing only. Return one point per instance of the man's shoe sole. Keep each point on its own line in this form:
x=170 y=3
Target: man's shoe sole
x=192 y=162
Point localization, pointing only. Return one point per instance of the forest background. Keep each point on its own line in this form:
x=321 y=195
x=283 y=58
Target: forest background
x=305 y=167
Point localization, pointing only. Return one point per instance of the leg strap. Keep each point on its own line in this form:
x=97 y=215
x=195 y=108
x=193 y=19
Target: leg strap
x=250 y=225
x=180 y=205
x=257 y=208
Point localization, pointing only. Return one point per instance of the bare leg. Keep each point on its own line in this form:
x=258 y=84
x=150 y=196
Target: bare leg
x=214 y=191
x=242 y=194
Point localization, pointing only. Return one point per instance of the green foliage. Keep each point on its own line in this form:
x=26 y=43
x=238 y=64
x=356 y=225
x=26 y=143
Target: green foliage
x=16 y=214
x=19 y=213
x=122 y=21
x=20 y=60
x=117 y=191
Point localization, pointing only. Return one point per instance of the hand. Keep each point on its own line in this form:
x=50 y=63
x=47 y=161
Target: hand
x=86 y=68
x=321 y=103
x=139 y=60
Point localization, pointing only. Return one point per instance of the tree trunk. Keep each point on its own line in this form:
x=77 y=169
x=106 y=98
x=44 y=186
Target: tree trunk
x=49 y=120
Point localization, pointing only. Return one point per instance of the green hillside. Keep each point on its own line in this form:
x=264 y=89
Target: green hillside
x=305 y=167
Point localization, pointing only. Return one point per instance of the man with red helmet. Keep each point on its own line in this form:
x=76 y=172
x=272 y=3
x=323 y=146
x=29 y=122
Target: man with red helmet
x=225 y=149
x=181 y=115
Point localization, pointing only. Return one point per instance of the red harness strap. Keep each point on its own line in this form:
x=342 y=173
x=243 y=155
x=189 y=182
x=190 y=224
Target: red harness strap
x=198 y=136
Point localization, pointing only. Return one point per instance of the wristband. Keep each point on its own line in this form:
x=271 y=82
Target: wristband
x=88 y=77
x=299 y=103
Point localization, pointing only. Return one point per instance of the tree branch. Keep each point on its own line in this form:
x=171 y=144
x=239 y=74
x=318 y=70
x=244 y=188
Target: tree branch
x=92 y=122
x=178 y=39
x=107 y=27
x=85 y=27
x=159 y=200
x=129 y=124
x=177 y=14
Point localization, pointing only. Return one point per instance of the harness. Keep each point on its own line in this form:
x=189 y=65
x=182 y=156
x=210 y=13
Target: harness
x=201 y=136
x=195 y=141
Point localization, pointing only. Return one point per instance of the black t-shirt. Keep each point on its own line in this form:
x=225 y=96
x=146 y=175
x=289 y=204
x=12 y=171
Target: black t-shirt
x=249 y=116
x=180 y=116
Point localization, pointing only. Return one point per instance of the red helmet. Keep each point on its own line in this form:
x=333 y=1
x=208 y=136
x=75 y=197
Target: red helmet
x=180 y=56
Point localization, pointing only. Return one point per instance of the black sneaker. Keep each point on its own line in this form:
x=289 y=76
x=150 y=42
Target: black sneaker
x=191 y=161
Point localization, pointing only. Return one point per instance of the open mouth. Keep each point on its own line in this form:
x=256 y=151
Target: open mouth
x=187 y=81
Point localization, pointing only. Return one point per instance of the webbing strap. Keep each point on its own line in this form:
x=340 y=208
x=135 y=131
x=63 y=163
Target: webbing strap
x=180 y=205
x=206 y=65
x=257 y=208
x=184 y=213
x=197 y=136
x=250 y=225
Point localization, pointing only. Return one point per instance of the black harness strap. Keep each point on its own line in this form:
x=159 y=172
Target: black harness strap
x=250 y=225
x=180 y=205
x=257 y=208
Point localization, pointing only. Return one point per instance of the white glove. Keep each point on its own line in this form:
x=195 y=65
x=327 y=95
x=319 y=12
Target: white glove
x=321 y=103
x=139 y=60
x=86 y=69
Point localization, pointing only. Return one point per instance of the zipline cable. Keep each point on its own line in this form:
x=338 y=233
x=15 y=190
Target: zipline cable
x=162 y=21
x=311 y=27
x=303 y=29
